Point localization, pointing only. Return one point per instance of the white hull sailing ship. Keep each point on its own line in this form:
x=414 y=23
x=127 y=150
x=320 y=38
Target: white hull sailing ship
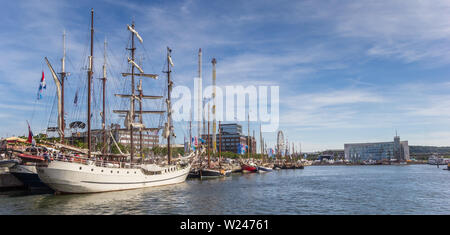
x=93 y=173
x=65 y=177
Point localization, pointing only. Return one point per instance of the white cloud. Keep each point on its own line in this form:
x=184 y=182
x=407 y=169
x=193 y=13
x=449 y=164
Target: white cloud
x=431 y=138
x=327 y=110
x=408 y=30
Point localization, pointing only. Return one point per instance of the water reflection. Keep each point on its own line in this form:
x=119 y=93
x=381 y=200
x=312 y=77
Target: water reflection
x=314 y=190
x=120 y=202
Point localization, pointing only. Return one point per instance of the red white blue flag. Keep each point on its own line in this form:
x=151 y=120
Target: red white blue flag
x=271 y=152
x=42 y=86
x=194 y=143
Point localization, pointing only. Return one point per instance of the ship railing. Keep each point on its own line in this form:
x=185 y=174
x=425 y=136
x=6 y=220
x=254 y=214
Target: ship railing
x=98 y=162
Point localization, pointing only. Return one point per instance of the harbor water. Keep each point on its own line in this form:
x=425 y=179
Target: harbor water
x=411 y=189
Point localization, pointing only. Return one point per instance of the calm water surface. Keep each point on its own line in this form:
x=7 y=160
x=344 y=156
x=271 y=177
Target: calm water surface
x=416 y=189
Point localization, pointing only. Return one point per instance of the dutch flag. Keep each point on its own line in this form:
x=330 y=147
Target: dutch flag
x=42 y=86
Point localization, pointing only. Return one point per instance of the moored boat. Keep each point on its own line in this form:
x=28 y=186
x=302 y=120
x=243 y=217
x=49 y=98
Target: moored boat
x=9 y=163
x=265 y=169
x=249 y=168
x=87 y=176
x=26 y=172
x=214 y=173
x=194 y=173
x=235 y=168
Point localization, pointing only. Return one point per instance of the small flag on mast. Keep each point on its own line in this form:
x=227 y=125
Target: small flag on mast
x=75 y=100
x=30 y=134
x=42 y=86
x=194 y=142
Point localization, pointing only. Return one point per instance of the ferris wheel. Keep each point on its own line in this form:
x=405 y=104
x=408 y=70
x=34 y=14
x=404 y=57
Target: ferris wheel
x=280 y=142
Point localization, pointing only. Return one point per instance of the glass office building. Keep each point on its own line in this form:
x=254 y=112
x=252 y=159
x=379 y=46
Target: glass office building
x=231 y=139
x=377 y=151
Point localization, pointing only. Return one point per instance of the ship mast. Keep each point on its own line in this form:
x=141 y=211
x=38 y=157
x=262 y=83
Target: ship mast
x=63 y=75
x=262 y=144
x=90 y=72
x=200 y=107
x=209 y=142
x=59 y=82
x=168 y=126
x=140 y=116
x=204 y=117
x=293 y=151
x=248 y=135
x=220 y=145
x=132 y=97
x=104 y=95
x=214 y=143
x=190 y=133
x=251 y=142
x=130 y=125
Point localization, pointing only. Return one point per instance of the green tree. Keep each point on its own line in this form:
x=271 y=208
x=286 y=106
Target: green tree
x=122 y=147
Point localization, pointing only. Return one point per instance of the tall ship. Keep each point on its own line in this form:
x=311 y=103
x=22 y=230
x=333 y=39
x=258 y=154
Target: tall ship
x=92 y=172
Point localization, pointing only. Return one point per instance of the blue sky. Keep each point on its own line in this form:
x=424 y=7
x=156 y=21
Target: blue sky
x=348 y=71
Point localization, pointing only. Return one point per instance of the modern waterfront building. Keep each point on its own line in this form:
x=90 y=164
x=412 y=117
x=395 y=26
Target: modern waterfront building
x=232 y=138
x=398 y=150
x=325 y=156
x=149 y=139
x=336 y=153
x=122 y=136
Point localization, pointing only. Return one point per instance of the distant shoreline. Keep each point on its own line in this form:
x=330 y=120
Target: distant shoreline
x=393 y=164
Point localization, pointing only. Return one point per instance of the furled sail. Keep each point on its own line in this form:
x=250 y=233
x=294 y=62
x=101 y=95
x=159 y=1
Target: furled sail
x=144 y=111
x=135 y=65
x=135 y=33
x=137 y=97
x=136 y=125
x=58 y=93
x=170 y=60
x=154 y=76
x=127 y=121
x=173 y=132
x=166 y=131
